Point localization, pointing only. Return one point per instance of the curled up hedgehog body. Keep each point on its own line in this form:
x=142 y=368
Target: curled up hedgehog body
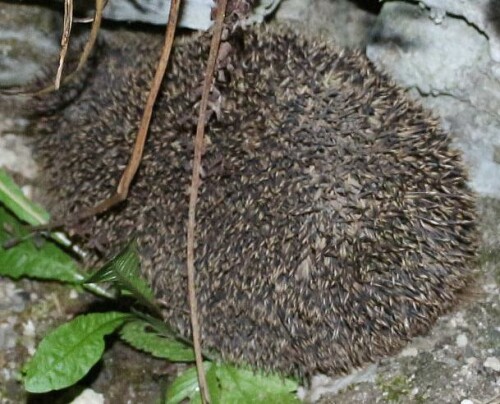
x=334 y=222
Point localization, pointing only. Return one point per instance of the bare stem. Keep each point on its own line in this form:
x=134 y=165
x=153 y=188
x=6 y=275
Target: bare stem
x=68 y=22
x=193 y=197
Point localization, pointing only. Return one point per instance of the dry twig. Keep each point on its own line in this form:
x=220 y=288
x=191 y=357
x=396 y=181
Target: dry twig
x=193 y=196
x=68 y=22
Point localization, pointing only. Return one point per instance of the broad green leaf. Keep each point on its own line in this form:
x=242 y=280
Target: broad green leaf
x=243 y=386
x=156 y=323
x=13 y=198
x=228 y=384
x=186 y=386
x=25 y=259
x=136 y=334
x=67 y=354
x=213 y=385
x=28 y=211
x=124 y=271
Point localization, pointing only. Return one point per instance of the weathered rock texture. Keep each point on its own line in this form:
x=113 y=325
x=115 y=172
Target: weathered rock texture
x=195 y=14
x=28 y=40
x=343 y=21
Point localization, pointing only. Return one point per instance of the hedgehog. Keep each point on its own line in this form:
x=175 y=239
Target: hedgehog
x=334 y=220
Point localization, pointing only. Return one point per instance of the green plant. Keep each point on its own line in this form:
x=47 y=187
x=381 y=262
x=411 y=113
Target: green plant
x=66 y=354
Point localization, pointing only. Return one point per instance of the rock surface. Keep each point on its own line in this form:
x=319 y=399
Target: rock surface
x=342 y=21
x=28 y=40
x=447 y=57
x=195 y=14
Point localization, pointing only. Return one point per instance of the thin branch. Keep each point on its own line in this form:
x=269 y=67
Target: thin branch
x=136 y=157
x=68 y=22
x=193 y=196
x=94 y=31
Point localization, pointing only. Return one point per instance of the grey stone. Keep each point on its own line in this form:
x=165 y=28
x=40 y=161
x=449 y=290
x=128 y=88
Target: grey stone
x=343 y=21
x=15 y=155
x=484 y=15
x=449 y=66
x=492 y=363
x=322 y=385
x=462 y=340
x=195 y=13
x=28 y=40
x=89 y=396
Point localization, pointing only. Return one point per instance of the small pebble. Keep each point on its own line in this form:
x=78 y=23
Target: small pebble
x=27 y=191
x=471 y=361
x=492 y=363
x=466 y=401
x=89 y=396
x=462 y=341
x=411 y=351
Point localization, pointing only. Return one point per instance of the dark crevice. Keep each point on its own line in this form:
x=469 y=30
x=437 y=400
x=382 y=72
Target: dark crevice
x=371 y=6
x=494 y=15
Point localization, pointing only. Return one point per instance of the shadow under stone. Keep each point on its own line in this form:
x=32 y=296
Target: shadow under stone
x=494 y=14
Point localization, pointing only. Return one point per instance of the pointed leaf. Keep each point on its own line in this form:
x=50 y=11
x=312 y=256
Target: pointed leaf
x=25 y=259
x=245 y=386
x=228 y=384
x=136 y=334
x=13 y=198
x=124 y=271
x=186 y=386
x=67 y=354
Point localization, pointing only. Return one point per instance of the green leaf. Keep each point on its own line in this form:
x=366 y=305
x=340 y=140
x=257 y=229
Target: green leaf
x=213 y=384
x=186 y=386
x=124 y=271
x=26 y=259
x=245 y=386
x=228 y=384
x=28 y=211
x=136 y=334
x=67 y=354
x=13 y=198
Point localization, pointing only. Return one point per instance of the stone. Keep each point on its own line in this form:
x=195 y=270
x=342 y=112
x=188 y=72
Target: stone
x=462 y=340
x=482 y=14
x=343 y=21
x=492 y=363
x=322 y=385
x=195 y=14
x=89 y=396
x=15 y=155
x=29 y=39
x=409 y=352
